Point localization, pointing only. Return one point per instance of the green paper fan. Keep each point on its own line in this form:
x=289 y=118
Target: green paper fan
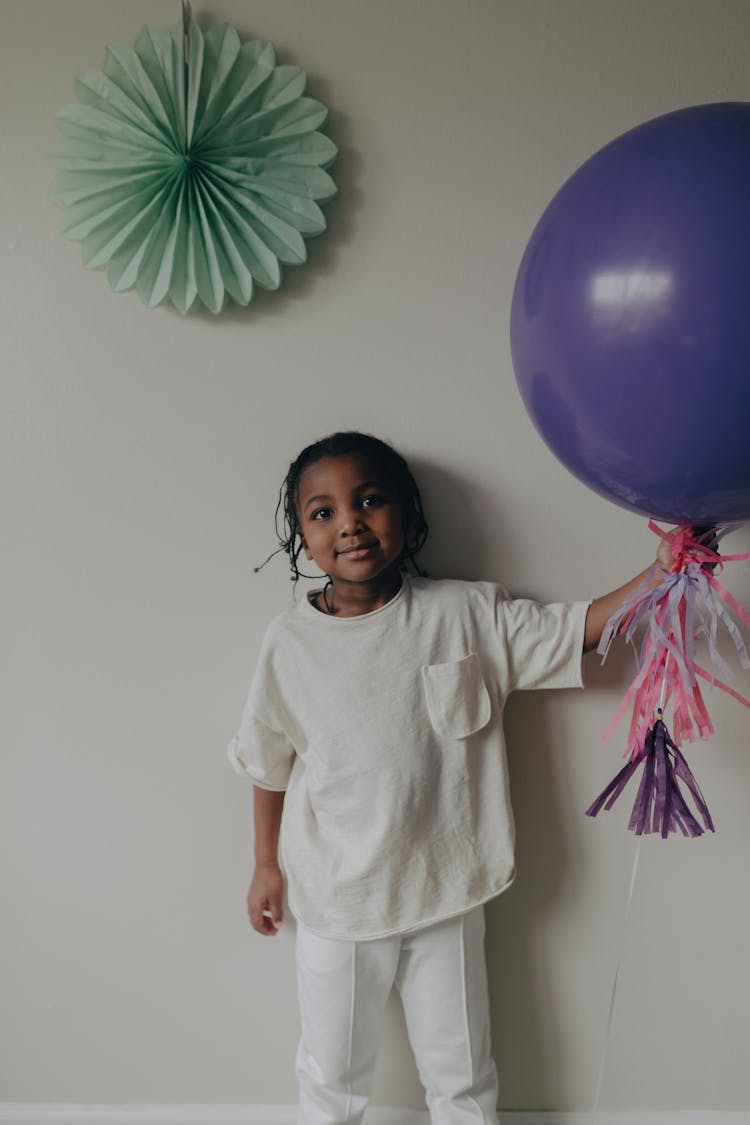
x=192 y=167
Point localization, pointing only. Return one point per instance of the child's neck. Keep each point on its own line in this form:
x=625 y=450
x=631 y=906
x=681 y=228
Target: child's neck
x=352 y=599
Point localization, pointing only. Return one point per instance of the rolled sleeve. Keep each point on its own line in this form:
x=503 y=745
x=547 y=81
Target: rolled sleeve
x=261 y=753
x=545 y=643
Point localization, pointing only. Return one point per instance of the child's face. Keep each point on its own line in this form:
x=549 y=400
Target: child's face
x=350 y=519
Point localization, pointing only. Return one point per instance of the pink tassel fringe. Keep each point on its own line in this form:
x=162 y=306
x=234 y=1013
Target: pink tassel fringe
x=688 y=606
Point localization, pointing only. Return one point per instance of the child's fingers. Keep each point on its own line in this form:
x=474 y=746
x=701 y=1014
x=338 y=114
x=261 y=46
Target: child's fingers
x=271 y=922
x=260 y=919
x=274 y=911
x=665 y=558
x=265 y=915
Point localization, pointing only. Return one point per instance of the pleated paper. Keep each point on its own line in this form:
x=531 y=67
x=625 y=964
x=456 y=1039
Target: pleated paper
x=192 y=167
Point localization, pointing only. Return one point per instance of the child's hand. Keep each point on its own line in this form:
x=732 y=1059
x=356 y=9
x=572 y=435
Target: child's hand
x=265 y=898
x=681 y=546
x=665 y=557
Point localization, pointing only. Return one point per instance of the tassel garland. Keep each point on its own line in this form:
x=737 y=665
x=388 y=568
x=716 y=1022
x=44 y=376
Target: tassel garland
x=688 y=606
x=660 y=804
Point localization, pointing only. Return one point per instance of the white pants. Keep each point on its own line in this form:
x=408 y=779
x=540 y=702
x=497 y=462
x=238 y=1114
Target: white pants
x=343 y=988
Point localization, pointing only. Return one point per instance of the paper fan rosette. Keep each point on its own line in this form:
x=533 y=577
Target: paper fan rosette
x=192 y=167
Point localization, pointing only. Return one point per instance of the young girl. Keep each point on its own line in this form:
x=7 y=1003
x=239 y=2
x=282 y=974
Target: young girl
x=373 y=736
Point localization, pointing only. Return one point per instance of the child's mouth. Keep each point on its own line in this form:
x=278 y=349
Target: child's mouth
x=359 y=552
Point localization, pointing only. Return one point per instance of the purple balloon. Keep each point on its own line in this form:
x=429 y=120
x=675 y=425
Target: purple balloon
x=630 y=323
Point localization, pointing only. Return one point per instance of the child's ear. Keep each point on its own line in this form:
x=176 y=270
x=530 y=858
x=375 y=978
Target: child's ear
x=409 y=524
x=305 y=548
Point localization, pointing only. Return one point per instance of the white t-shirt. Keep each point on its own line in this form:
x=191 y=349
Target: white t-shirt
x=385 y=730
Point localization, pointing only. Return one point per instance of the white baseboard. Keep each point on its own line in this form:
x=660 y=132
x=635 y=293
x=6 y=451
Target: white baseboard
x=32 y=1113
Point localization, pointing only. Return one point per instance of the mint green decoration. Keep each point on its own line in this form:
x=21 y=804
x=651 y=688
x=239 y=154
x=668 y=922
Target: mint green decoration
x=192 y=167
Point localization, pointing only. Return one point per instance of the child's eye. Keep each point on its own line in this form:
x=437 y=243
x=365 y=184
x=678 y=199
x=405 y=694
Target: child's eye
x=371 y=501
x=321 y=514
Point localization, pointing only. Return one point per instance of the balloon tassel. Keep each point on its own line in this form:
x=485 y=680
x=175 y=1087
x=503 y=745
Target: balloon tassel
x=660 y=804
x=689 y=604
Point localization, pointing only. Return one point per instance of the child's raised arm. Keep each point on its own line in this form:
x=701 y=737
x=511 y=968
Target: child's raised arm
x=266 y=894
x=601 y=609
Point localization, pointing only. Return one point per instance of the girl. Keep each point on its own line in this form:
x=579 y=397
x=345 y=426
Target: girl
x=373 y=736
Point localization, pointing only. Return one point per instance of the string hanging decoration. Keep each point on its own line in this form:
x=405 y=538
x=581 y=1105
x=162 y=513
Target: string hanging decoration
x=193 y=167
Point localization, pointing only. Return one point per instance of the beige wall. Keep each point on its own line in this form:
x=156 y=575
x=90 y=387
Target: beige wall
x=144 y=456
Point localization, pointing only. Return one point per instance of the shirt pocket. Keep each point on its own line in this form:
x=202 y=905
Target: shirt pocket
x=457 y=698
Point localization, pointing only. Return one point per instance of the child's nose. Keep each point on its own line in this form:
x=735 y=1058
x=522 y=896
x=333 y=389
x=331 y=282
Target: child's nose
x=351 y=521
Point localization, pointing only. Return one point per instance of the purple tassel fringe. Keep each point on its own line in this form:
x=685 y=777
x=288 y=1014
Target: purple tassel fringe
x=660 y=804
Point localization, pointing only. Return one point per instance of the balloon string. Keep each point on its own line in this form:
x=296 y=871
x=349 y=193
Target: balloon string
x=633 y=873
x=613 y=993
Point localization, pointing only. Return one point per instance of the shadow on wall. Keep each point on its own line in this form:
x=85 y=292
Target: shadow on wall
x=340 y=211
x=528 y=1040
x=469 y=539
x=466 y=526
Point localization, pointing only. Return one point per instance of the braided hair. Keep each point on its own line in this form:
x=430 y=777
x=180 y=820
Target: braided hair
x=347 y=444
